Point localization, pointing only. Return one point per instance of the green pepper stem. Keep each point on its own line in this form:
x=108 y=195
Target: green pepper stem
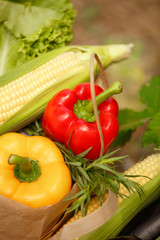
x=115 y=88
x=26 y=166
x=25 y=169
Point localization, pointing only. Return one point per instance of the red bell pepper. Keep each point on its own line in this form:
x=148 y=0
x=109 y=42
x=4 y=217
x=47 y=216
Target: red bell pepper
x=69 y=118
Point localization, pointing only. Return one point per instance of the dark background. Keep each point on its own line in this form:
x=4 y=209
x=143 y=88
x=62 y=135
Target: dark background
x=124 y=21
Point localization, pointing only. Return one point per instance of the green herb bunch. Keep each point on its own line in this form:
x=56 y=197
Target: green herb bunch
x=92 y=177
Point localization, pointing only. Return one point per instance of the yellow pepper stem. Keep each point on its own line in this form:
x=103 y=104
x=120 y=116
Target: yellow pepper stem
x=26 y=169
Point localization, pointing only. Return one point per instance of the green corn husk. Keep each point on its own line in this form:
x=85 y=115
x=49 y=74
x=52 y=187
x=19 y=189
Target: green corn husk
x=35 y=107
x=126 y=211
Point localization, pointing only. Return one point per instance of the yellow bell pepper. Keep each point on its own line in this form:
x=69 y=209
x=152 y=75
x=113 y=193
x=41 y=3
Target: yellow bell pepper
x=40 y=176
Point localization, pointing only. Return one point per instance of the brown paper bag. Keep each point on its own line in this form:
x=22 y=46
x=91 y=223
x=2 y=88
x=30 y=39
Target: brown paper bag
x=88 y=223
x=20 y=222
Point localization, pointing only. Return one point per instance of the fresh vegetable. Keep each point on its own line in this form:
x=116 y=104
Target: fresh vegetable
x=130 y=206
x=92 y=177
x=69 y=118
x=26 y=90
x=40 y=176
x=51 y=23
x=149 y=166
x=129 y=120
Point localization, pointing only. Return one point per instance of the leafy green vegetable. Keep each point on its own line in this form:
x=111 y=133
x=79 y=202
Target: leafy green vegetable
x=129 y=120
x=8 y=50
x=36 y=26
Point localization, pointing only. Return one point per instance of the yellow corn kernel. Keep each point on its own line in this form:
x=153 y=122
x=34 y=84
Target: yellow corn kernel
x=18 y=92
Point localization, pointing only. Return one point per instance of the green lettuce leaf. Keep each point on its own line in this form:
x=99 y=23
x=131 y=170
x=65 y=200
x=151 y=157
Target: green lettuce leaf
x=9 y=46
x=38 y=26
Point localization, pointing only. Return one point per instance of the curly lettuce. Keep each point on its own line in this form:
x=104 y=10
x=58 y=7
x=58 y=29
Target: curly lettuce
x=31 y=28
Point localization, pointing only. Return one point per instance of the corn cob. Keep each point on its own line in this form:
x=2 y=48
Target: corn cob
x=25 y=91
x=149 y=167
x=18 y=92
